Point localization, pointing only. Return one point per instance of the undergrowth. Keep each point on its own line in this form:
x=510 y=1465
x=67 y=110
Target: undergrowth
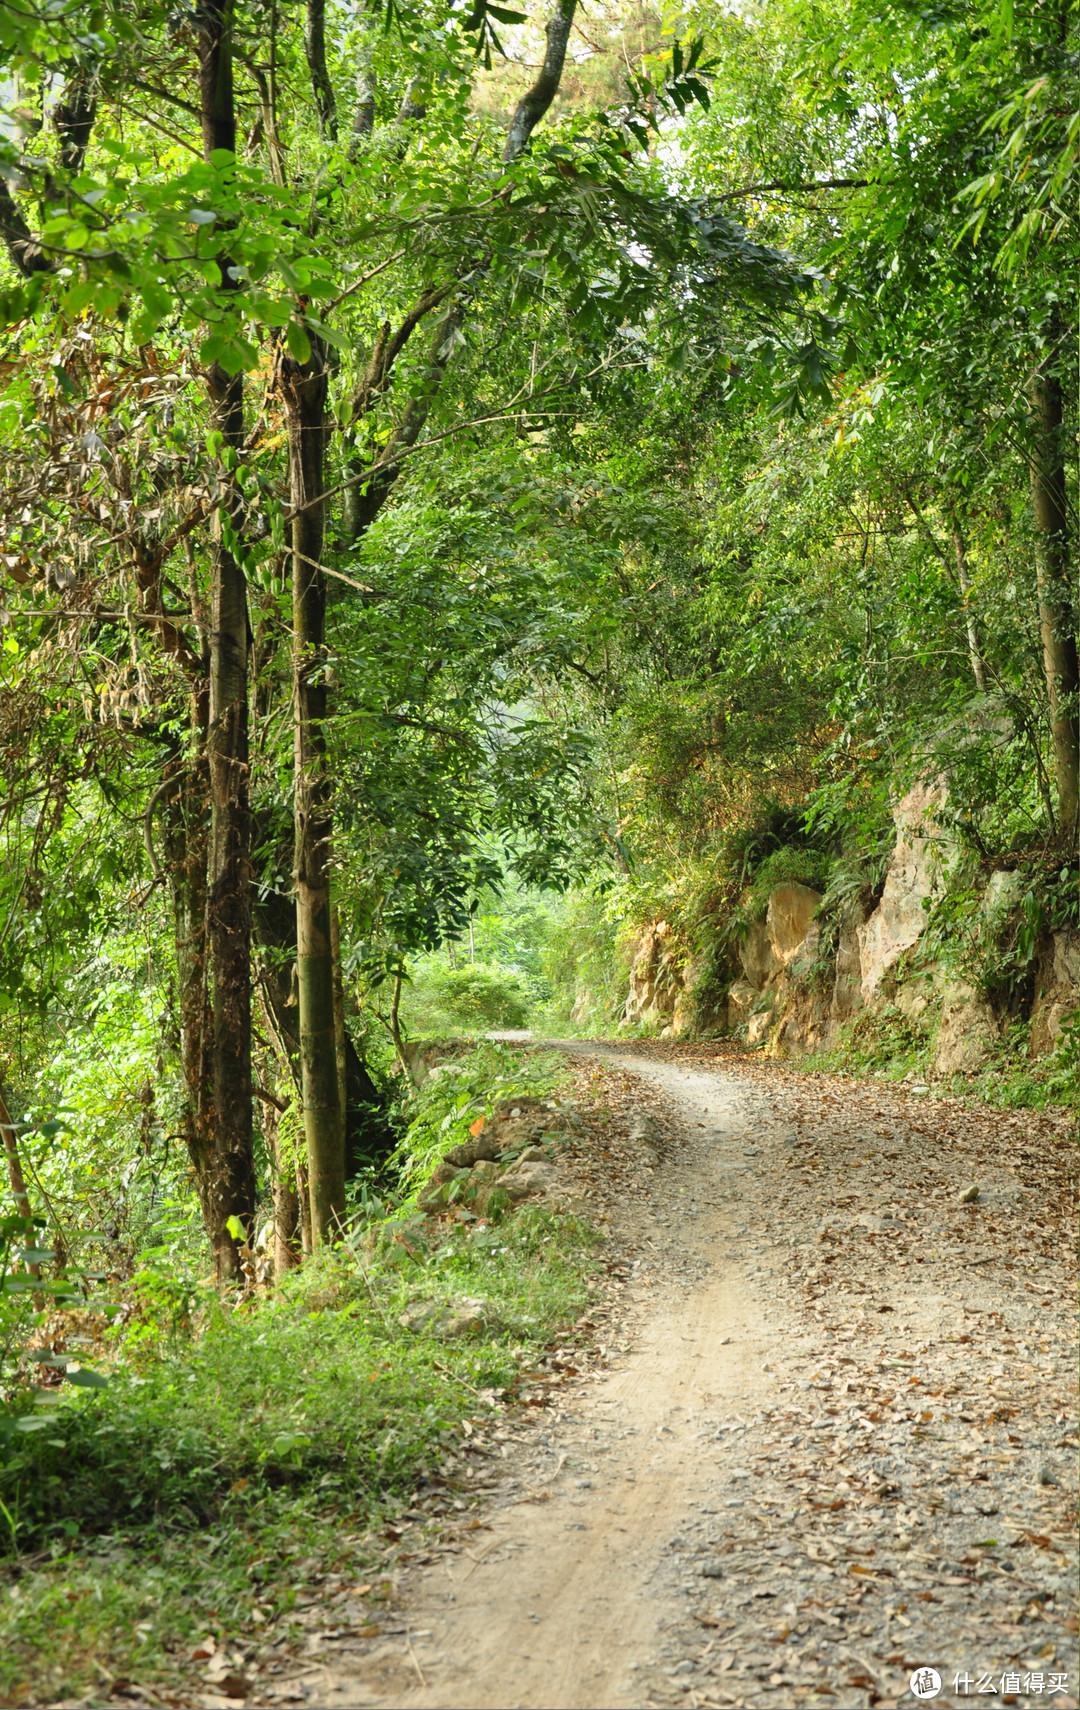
x=237 y=1452
x=889 y=1045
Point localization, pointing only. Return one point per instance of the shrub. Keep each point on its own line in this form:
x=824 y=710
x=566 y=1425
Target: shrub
x=485 y=997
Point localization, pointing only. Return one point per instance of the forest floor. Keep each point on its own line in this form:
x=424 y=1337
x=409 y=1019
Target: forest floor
x=827 y=1438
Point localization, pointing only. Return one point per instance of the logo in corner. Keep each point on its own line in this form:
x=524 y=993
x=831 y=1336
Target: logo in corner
x=925 y=1683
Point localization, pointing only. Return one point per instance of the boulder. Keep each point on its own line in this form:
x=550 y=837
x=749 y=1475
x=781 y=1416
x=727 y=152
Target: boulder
x=486 y=1144
x=791 y=909
x=523 y=1179
x=968 y=1031
x=914 y=877
x=756 y=955
x=445 y=1317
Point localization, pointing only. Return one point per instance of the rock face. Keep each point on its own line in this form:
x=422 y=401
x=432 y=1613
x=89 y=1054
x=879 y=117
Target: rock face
x=847 y=993
x=656 y=975
x=756 y=955
x=968 y=1031
x=1056 y=979
x=784 y=1001
x=914 y=878
x=791 y=909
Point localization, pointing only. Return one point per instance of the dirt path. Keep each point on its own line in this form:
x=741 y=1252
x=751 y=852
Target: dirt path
x=835 y=1439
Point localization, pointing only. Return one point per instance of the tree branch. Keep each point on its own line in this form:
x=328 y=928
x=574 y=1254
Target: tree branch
x=793 y=189
x=536 y=101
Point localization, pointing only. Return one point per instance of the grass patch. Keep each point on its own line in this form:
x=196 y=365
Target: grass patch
x=238 y=1454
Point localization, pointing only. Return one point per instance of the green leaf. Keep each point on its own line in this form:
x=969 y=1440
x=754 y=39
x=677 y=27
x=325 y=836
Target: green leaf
x=298 y=342
x=86 y=1379
x=236 y=1228
x=36 y=1255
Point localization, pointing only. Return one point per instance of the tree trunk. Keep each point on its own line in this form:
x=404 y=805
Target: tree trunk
x=16 y=1180
x=286 y=1247
x=978 y=670
x=186 y=849
x=231 y=1189
x=538 y=98
x=304 y=388
x=315 y=51
x=1057 y=615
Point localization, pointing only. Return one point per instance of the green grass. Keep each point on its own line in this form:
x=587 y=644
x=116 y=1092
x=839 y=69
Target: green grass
x=235 y=1455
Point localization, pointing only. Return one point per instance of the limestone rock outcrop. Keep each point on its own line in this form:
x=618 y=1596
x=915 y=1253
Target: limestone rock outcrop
x=792 y=999
x=1057 y=977
x=915 y=878
x=788 y=918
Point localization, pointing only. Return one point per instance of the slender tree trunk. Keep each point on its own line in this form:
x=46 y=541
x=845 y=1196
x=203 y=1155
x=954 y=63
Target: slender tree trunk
x=287 y=1242
x=286 y=1249
x=978 y=670
x=304 y=388
x=1057 y=611
x=363 y=122
x=16 y=1180
x=73 y=117
x=186 y=849
x=339 y=1021
x=315 y=51
x=232 y=1188
x=538 y=98
x=369 y=1139
x=304 y=391
x=395 y=1024
x=303 y=1200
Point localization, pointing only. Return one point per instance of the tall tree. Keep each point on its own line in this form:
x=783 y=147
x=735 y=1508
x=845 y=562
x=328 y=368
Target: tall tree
x=304 y=390
x=1057 y=598
x=231 y=1192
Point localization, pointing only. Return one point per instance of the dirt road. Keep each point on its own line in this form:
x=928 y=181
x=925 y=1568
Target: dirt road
x=834 y=1440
